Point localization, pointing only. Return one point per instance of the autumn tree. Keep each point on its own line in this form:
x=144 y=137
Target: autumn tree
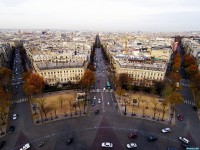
x=5 y=102
x=86 y=82
x=120 y=92
x=5 y=77
x=197 y=81
x=123 y=80
x=176 y=67
x=33 y=84
x=173 y=99
x=192 y=70
x=188 y=60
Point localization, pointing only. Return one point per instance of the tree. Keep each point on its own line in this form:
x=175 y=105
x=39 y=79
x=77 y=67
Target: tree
x=167 y=91
x=5 y=77
x=33 y=84
x=123 y=80
x=158 y=86
x=120 y=92
x=69 y=99
x=192 y=70
x=164 y=104
x=41 y=104
x=188 y=60
x=176 y=67
x=155 y=103
x=197 y=81
x=61 y=99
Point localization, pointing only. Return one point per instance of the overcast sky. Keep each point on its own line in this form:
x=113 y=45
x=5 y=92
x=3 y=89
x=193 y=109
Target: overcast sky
x=101 y=15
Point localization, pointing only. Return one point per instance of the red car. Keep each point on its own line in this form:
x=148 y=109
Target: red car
x=132 y=135
x=180 y=117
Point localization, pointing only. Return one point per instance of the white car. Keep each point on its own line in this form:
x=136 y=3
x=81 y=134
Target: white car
x=25 y=147
x=94 y=97
x=107 y=144
x=14 y=116
x=184 y=140
x=131 y=145
x=166 y=130
x=99 y=101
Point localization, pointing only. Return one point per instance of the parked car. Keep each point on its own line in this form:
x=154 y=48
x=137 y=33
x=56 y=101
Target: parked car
x=182 y=139
x=15 y=116
x=195 y=108
x=93 y=103
x=152 y=138
x=11 y=129
x=132 y=135
x=99 y=101
x=166 y=130
x=131 y=145
x=25 y=147
x=107 y=145
x=180 y=117
x=69 y=140
x=2 y=143
x=96 y=112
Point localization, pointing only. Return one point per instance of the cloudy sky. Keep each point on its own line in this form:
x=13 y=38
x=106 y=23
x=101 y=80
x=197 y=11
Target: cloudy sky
x=101 y=15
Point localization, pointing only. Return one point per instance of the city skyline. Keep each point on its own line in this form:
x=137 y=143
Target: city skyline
x=105 y=15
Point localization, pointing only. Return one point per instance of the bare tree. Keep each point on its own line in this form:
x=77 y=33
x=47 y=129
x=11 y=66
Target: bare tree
x=155 y=102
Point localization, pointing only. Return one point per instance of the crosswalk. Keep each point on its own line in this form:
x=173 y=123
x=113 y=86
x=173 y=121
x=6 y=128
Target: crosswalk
x=20 y=100
x=100 y=90
x=189 y=102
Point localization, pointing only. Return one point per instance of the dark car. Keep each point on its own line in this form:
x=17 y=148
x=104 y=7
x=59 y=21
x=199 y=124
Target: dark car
x=93 y=103
x=132 y=135
x=69 y=141
x=2 y=143
x=11 y=129
x=180 y=117
x=195 y=108
x=152 y=138
x=96 y=112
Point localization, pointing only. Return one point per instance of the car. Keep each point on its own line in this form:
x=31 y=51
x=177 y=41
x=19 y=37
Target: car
x=166 y=130
x=94 y=97
x=107 y=145
x=152 y=138
x=180 y=117
x=11 y=129
x=131 y=145
x=93 y=103
x=184 y=140
x=69 y=141
x=99 y=101
x=14 y=116
x=2 y=143
x=195 y=108
x=25 y=147
x=96 y=112
x=132 y=135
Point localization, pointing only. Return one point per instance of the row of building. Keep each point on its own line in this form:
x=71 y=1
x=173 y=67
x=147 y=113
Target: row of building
x=192 y=47
x=143 y=57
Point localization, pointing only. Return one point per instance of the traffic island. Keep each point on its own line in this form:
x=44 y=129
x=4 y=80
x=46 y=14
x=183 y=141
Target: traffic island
x=145 y=106
x=56 y=106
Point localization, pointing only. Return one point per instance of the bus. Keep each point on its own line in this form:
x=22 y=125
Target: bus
x=108 y=85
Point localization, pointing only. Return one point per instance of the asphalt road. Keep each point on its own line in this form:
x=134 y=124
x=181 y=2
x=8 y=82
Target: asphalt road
x=108 y=126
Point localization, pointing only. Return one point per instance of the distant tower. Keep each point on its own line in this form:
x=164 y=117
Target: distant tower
x=125 y=47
